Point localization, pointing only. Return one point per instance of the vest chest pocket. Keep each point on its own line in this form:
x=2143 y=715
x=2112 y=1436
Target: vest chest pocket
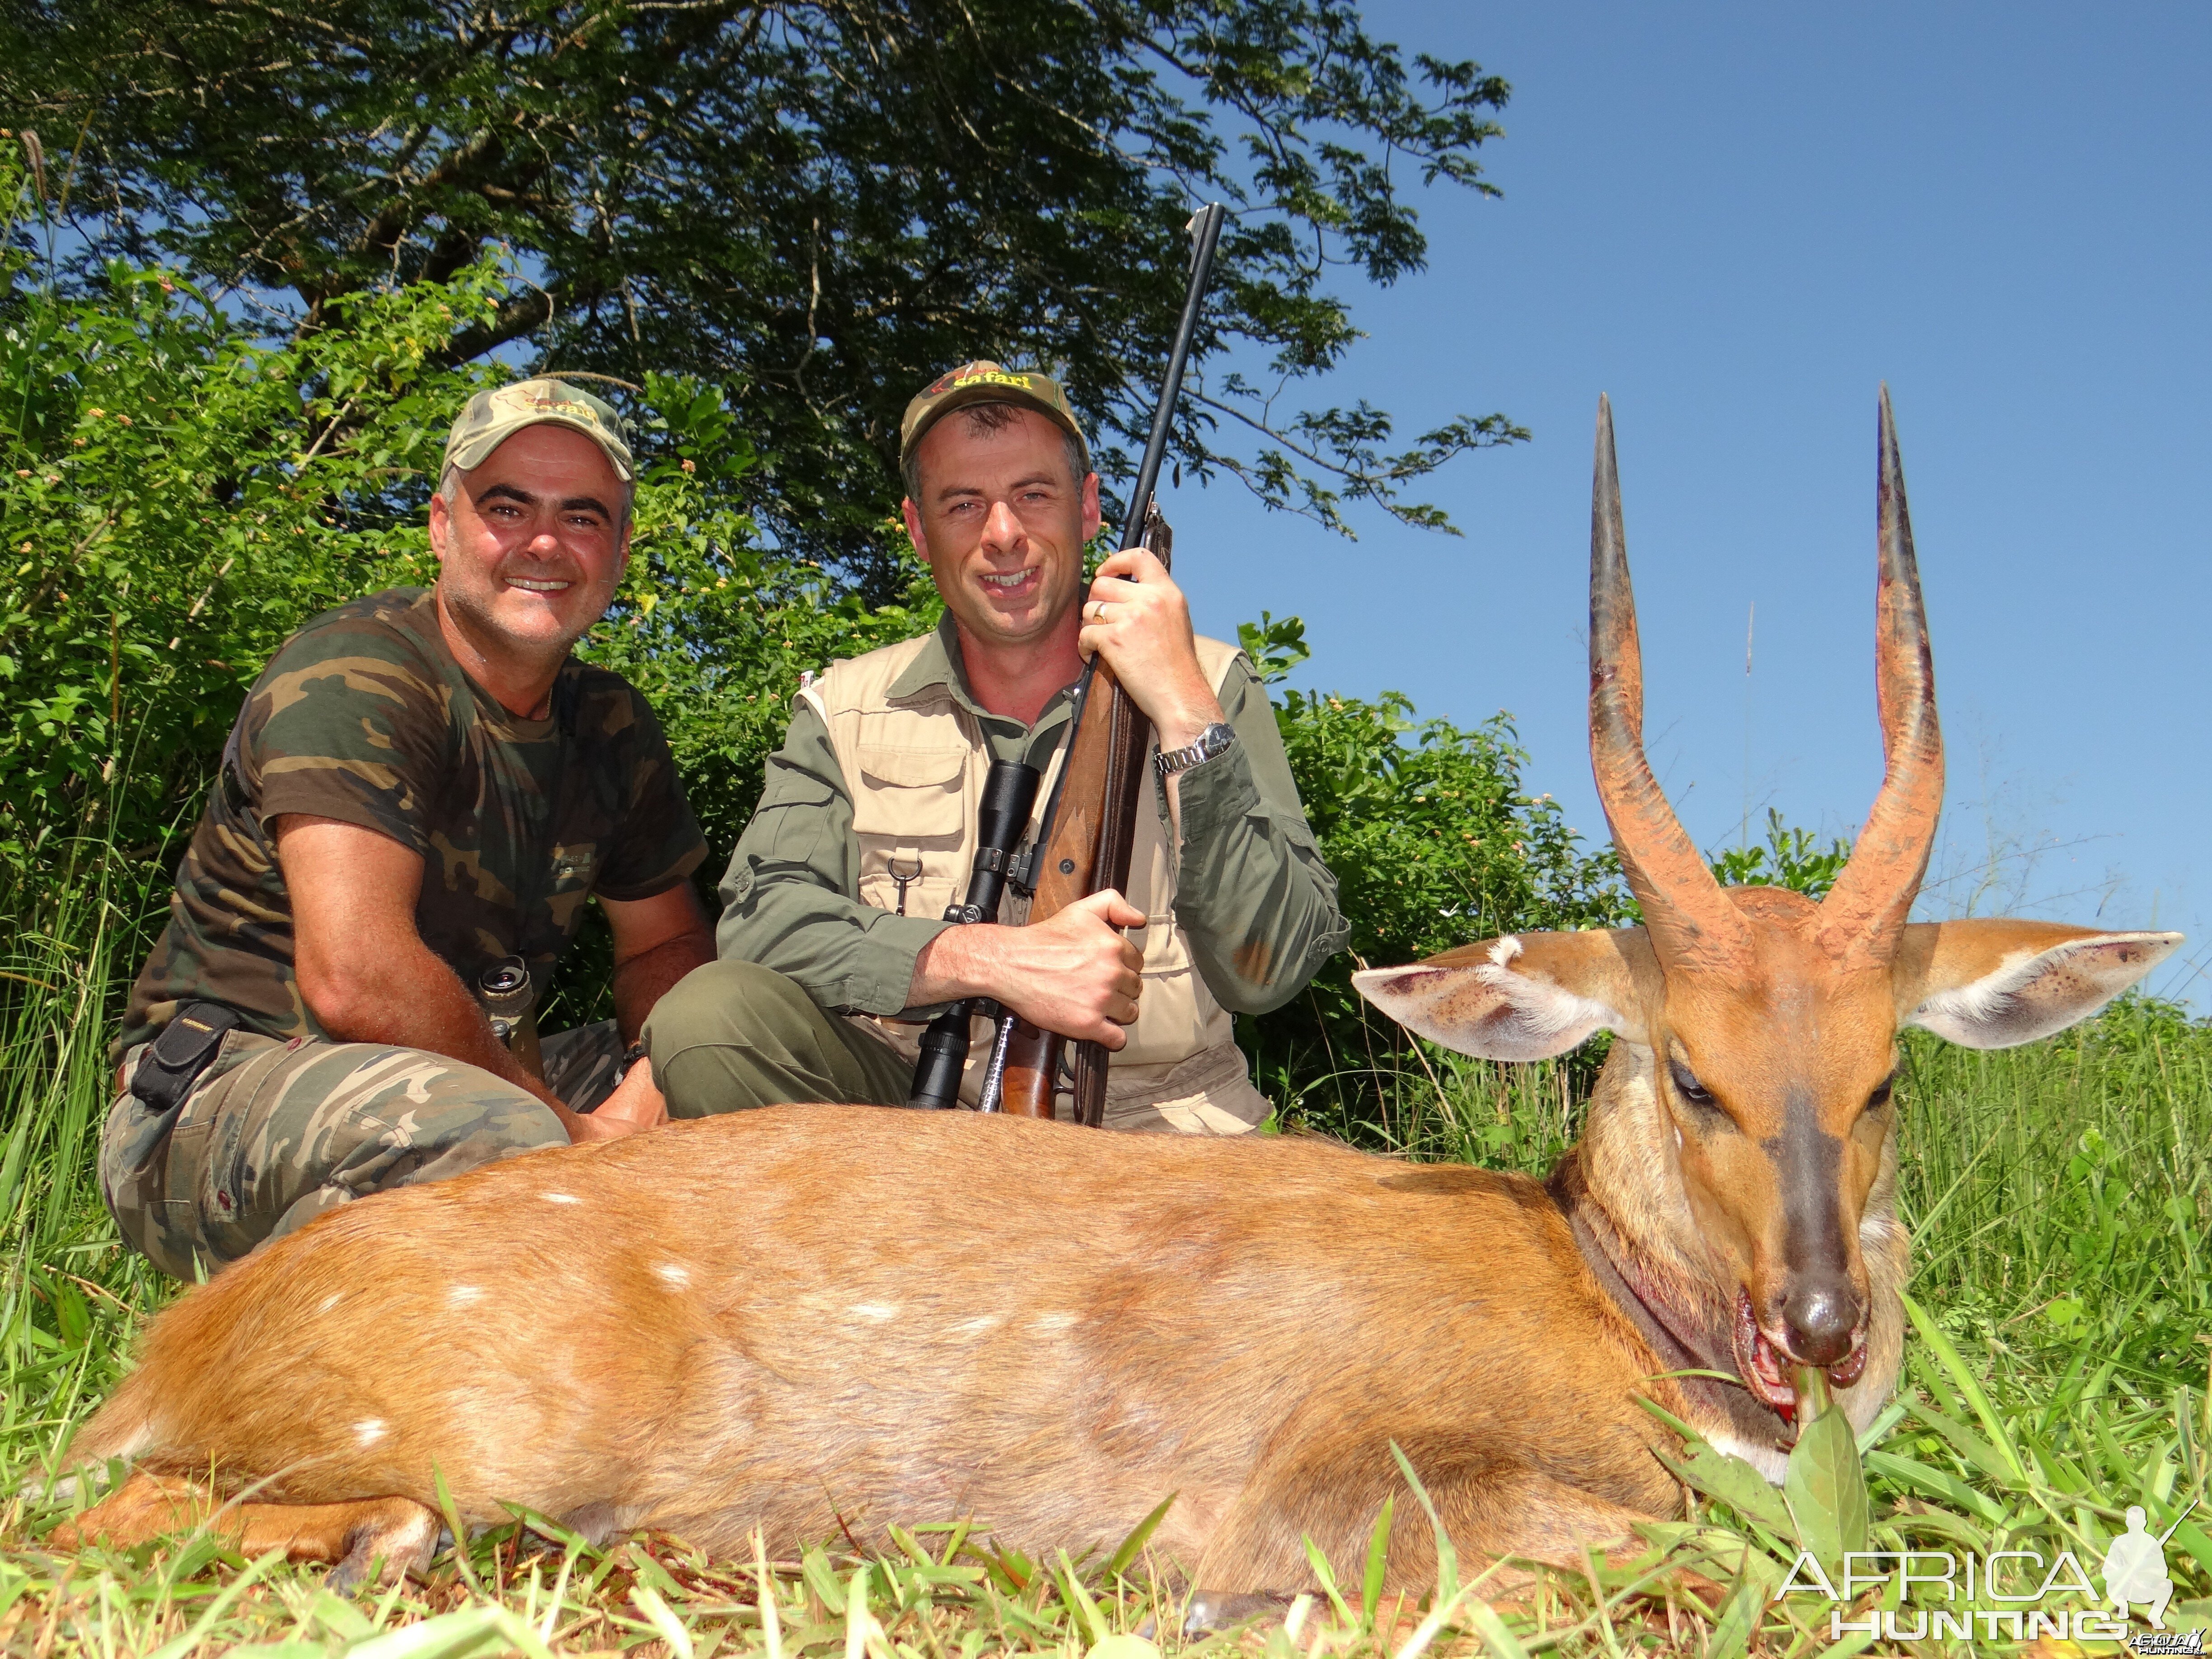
x=910 y=820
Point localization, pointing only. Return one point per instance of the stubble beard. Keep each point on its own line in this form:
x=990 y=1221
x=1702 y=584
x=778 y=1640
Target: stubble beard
x=1048 y=616
x=475 y=607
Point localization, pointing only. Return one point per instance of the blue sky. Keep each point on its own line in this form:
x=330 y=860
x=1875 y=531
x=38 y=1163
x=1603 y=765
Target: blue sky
x=1738 y=222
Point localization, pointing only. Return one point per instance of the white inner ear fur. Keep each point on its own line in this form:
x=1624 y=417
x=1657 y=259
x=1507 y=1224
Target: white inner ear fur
x=1490 y=1010
x=2033 y=994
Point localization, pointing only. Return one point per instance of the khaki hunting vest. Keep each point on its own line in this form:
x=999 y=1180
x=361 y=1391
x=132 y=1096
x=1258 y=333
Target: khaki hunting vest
x=915 y=767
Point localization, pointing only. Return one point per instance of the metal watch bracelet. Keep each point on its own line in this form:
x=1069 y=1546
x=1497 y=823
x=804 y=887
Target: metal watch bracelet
x=1216 y=739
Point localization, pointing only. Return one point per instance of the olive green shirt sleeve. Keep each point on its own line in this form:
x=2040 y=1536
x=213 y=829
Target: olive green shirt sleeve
x=1251 y=891
x=791 y=898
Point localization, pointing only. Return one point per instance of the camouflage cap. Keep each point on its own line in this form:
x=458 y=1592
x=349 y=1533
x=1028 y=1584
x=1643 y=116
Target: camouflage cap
x=491 y=418
x=984 y=382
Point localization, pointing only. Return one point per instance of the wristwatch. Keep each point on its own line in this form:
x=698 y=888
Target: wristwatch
x=1216 y=739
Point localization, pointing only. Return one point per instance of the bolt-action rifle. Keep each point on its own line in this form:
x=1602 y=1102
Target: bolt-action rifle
x=1090 y=826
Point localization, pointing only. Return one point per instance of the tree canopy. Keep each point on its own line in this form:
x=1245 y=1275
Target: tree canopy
x=815 y=203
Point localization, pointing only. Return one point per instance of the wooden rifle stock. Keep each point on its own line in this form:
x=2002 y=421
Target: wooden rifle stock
x=1086 y=851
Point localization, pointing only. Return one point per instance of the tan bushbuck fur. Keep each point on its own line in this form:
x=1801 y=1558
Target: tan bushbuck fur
x=822 y=1319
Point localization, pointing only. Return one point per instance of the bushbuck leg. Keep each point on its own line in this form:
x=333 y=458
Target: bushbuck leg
x=386 y=1536
x=1263 y=1540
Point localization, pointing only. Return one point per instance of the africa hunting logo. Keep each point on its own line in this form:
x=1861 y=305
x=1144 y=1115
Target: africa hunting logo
x=2134 y=1575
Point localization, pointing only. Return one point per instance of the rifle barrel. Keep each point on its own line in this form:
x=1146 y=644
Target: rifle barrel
x=1205 y=234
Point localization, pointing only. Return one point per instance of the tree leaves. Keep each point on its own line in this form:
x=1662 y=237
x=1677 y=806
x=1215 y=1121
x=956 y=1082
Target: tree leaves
x=821 y=205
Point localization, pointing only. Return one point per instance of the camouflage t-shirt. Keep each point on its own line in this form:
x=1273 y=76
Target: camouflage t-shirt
x=364 y=716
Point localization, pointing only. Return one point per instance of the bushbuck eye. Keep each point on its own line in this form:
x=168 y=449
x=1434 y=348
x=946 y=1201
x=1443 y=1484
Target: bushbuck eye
x=1696 y=1093
x=1882 y=1091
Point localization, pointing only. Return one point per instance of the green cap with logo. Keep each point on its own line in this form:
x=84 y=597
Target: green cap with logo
x=491 y=418
x=985 y=382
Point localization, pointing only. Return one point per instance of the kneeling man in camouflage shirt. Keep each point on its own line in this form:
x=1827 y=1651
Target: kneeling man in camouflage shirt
x=834 y=954
x=423 y=790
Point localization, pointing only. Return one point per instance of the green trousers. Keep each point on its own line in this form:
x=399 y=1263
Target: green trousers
x=734 y=1034
x=274 y=1134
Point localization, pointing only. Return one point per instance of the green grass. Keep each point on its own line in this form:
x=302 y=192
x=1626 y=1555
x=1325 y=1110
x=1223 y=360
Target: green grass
x=2058 y=1197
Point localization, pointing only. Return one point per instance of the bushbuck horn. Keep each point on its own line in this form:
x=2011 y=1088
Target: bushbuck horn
x=1692 y=925
x=1863 y=917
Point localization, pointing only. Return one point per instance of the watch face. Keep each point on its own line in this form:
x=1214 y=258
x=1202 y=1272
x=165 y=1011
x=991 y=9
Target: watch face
x=1215 y=739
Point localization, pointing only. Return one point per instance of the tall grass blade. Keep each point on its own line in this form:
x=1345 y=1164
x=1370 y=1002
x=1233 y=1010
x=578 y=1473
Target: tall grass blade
x=1447 y=1557
x=1128 y=1549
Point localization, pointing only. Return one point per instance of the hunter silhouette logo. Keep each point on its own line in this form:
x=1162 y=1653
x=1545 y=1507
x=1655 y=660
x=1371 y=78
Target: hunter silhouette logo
x=2135 y=1568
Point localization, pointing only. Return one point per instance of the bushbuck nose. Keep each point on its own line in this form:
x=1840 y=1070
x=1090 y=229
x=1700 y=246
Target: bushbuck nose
x=1821 y=1314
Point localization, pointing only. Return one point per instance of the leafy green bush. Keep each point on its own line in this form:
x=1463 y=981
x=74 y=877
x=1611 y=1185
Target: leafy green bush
x=1435 y=843
x=175 y=499
x=1790 y=858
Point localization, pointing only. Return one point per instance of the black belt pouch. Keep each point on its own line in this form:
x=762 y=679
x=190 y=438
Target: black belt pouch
x=185 y=1048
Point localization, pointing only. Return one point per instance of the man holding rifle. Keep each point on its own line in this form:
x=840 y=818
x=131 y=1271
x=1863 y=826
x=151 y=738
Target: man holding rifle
x=833 y=951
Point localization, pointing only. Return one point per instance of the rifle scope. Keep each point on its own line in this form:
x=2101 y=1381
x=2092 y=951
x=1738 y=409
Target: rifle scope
x=1009 y=792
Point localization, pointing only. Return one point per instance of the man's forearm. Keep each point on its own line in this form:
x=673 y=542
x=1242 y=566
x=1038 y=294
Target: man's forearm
x=1258 y=904
x=846 y=954
x=959 y=963
x=644 y=978
x=416 y=1001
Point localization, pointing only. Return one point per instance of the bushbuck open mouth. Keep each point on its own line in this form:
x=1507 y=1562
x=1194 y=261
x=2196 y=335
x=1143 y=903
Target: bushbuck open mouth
x=1766 y=1366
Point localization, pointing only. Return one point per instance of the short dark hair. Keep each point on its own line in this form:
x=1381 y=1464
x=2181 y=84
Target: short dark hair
x=983 y=418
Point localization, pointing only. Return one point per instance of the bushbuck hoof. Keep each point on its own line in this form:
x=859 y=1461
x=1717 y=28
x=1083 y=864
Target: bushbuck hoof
x=1213 y=1610
x=388 y=1539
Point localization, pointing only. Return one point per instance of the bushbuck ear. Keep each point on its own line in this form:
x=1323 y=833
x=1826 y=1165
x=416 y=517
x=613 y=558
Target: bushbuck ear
x=1528 y=997
x=1995 y=983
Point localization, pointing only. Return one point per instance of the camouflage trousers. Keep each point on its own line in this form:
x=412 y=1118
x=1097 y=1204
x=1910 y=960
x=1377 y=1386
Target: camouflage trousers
x=274 y=1134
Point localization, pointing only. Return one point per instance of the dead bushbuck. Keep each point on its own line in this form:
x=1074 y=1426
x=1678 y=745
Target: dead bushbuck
x=818 y=1320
